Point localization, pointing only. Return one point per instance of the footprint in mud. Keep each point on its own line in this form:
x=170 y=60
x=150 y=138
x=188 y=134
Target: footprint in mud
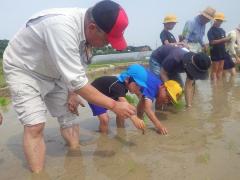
x=50 y=140
x=105 y=153
x=1 y=161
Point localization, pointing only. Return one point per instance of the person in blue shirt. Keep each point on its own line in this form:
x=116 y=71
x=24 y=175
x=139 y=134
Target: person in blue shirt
x=194 y=30
x=163 y=93
x=217 y=40
x=167 y=62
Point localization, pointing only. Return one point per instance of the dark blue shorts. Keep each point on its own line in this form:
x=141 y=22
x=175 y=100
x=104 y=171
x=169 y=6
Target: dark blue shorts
x=97 y=110
x=228 y=62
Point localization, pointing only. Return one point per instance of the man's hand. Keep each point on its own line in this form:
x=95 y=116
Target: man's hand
x=123 y=109
x=74 y=100
x=1 y=118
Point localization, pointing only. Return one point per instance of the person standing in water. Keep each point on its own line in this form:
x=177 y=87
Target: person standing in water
x=217 y=40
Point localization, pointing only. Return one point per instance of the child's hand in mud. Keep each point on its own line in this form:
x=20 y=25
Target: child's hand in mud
x=162 y=130
x=74 y=100
x=138 y=123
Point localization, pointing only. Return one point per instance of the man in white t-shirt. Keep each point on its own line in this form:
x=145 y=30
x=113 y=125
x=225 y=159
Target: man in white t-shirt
x=45 y=60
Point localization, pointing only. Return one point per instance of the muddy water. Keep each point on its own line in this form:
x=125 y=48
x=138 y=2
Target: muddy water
x=203 y=144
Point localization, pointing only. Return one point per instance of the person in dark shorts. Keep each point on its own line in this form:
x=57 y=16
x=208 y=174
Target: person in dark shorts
x=229 y=65
x=132 y=80
x=217 y=39
x=167 y=62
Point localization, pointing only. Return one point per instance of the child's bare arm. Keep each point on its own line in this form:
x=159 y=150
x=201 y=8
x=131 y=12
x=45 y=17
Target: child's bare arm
x=138 y=123
x=152 y=116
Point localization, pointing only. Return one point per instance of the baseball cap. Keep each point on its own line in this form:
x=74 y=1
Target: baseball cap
x=174 y=89
x=197 y=64
x=113 y=20
x=137 y=72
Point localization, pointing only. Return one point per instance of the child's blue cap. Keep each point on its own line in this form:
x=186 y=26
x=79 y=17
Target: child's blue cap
x=137 y=72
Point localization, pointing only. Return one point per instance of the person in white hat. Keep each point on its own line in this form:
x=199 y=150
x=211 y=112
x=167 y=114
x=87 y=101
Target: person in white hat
x=194 y=30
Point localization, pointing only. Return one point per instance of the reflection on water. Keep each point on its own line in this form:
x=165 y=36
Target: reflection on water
x=203 y=143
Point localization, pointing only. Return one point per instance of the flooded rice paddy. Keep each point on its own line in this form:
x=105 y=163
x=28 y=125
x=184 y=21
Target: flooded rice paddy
x=203 y=144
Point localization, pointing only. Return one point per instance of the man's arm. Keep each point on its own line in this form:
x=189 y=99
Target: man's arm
x=92 y=95
x=189 y=91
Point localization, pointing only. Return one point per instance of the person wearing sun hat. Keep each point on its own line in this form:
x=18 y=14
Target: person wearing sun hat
x=167 y=62
x=162 y=93
x=132 y=79
x=217 y=40
x=166 y=36
x=45 y=63
x=194 y=30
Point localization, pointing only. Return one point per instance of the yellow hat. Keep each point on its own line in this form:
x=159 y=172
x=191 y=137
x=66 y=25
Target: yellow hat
x=219 y=16
x=170 y=18
x=174 y=89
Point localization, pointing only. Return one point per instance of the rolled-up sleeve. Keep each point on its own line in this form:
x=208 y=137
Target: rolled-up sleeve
x=62 y=42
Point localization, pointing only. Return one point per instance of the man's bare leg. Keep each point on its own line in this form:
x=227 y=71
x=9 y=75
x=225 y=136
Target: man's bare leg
x=71 y=136
x=34 y=146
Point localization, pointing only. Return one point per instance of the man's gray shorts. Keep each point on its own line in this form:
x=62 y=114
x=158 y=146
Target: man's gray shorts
x=32 y=95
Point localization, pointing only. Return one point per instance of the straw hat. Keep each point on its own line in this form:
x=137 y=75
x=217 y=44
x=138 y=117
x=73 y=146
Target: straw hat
x=170 y=19
x=208 y=13
x=219 y=16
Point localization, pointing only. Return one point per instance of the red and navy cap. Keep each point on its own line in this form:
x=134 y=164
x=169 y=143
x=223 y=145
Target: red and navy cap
x=113 y=20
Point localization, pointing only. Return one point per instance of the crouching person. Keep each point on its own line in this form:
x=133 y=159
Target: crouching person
x=132 y=80
x=163 y=93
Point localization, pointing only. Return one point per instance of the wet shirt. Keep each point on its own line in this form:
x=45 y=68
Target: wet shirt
x=170 y=58
x=153 y=85
x=217 y=50
x=194 y=31
x=166 y=35
x=110 y=86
